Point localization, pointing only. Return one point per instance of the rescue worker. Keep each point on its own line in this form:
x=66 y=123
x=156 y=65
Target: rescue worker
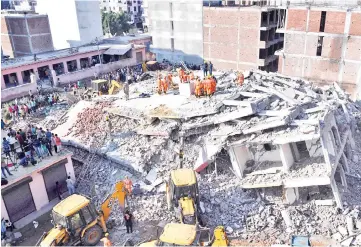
x=165 y=85
x=240 y=78
x=106 y=240
x=198 y=88
x=159 y=84
x=170 y=79
x=181 y=75
x=126 y=90
x=213 y=85
x=128 y=185
x=207 y=87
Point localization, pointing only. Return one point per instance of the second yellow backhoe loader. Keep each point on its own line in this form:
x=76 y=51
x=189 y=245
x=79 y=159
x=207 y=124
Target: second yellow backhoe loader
x=175 y=234
x=76 y=221
x=183 y=194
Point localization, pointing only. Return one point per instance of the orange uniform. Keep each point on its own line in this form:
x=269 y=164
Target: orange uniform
x=181 y=75
x=159 y=84
x=198 y=88
x=191 y=76
x=165 y=85
x=128 y=185
x=240 y=79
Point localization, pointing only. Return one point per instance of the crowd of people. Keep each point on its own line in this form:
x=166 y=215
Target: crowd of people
x=29 y=105
x=27 y=147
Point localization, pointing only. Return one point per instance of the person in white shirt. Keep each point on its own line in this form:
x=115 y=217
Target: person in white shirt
x=12 y=142
x=70 y=185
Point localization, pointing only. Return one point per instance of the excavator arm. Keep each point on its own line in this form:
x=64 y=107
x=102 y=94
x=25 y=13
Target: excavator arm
x=119 y=194
x=115 y=84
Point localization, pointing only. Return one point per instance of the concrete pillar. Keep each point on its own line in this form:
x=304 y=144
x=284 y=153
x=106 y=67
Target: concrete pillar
x=20 y=78
x=336 y=193
x=286 y=156
x=343 y=177
x=3 y=85
x=36 y=74
x=295 y=151
x=78 y=64
x=65 y=67
x=345 y=162
x=325 y=152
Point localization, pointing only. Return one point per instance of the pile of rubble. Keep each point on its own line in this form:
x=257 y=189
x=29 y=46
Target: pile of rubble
x=266 y=107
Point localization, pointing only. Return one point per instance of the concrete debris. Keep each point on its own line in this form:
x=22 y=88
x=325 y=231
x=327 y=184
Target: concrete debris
x=264 y=115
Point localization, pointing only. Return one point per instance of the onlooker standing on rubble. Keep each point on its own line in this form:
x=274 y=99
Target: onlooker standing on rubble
x=128 y=185
x=205 y=68
x=210 y=68
x=57 y=143
x=126 y=90
x=128 y=221
x=70 y=185
x=11 y=141
x=58 y=190
x=4 y=167
x=53 y=143
x=20 y=140
x=2 y=124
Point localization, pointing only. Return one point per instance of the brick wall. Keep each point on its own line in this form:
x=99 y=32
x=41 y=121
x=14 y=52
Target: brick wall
x=6 y=45
x=332 y=47
x=355 y=28
x=21 y=45
x=38 y=25
x=314 y=21
x=296 y=19
x=335 y=22
x=42 y=43
x=231 y=37
x=330 y=66
x=17 y=25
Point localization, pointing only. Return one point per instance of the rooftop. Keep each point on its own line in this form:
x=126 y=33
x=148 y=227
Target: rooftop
x=16 y=62
x=21 y=172
x=127 y=39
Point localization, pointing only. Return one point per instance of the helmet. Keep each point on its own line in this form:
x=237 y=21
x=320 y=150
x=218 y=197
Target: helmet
x=106 y=234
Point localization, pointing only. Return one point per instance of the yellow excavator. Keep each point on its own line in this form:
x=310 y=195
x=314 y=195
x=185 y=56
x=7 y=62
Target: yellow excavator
x=176 y=234
x=183 y=194
x=114 y=85
x=76 y=221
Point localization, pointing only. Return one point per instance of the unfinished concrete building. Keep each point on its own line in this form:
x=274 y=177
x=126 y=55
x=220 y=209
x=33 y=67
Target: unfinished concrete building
x=242 y=38
x=25 y=34
x=323 y=44
x=294 y=147
x=176 y=29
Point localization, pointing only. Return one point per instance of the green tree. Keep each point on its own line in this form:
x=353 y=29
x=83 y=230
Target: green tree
x=115 y=23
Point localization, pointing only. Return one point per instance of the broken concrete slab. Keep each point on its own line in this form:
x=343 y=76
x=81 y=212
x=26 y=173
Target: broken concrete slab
x=278 y=93
x=328 y=202
x=267 y=125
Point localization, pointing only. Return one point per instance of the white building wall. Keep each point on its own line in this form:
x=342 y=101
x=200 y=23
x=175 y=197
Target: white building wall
x=72 y=22
x=38 y=189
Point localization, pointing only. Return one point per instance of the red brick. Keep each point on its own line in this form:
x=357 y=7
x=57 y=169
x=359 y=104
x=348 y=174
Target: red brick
x=38 y=25
x=6 y=45
x=350 y=88
x=206 y=36
x=280 y=64
x=42 y=43
x=314 y=21
x=206 y=15
x=4 y=25
x=17 y=26
x=321 y=70
x=350 y=72
x=332 y=47
x=293 y=66
x=294 y=43
x=224 y=52
x=226 y=35
x=355 y=27
x=311 y=45
x=223 y=65
x=296 y=19
x=353 y=49
x=250 y=19
x=249 y=55
x=243 y=67
x=21 y=44
x=335 y=22
x=225 y=16
x=206 y=50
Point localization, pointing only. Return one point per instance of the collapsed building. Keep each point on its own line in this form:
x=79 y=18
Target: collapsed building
x=266 y=149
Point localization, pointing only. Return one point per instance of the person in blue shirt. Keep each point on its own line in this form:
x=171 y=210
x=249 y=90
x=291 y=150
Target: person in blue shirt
x=48 y=135
x=6 y=147
x=2 y=124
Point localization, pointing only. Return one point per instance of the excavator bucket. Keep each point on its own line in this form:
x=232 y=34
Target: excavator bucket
x=119 y=194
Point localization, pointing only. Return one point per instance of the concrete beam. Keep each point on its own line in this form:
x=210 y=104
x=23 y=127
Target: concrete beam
x=296 y=138
x=306 y=182
x=253 y=95
x=237 y=103
x=286 y=156
x=267 y=125
x=241 y=112
x=336 y=194
x=261 y=185
x=277 y=93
